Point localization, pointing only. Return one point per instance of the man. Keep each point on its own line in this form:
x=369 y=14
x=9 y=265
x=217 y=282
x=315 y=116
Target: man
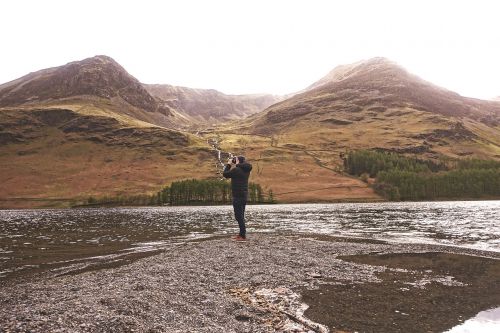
x=239 y=187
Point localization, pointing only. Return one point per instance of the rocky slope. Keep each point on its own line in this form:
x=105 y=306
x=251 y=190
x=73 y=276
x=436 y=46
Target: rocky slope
x=210 y=105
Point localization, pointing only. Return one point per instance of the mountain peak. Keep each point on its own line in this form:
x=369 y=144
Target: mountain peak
x=379 y=63
x=343 y=72
x=99 y=61
x=102 y=57
x=99 y=76
x=379 y=60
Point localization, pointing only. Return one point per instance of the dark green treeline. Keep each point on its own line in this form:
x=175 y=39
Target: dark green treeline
x=184 y=192
x=195 y=191
x=402 y=178
x=372 y=162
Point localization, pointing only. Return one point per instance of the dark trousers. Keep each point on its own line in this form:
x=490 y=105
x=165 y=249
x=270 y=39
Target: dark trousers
x=239 y=204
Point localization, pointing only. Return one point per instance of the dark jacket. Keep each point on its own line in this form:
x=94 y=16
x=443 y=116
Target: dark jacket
x=239 y=178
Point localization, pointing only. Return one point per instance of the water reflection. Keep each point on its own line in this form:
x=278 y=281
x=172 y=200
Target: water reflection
x=32 y=240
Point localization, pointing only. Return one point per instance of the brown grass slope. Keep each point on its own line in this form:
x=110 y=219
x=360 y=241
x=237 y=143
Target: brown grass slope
x=295 y=172
x=55 y=156
x=208 y=105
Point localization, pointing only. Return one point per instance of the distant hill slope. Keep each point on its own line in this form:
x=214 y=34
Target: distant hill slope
x=211 y=105
x=378 y=104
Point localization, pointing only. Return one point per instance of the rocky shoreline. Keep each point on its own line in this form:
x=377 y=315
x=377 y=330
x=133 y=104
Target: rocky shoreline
x=272 y=283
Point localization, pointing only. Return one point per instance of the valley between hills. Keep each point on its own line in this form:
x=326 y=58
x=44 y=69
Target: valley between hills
x=88 y=128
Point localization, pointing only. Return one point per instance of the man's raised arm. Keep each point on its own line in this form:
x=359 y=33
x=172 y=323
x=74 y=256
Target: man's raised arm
x=227 y=173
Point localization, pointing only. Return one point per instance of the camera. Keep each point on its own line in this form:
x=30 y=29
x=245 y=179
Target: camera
x=234 y=160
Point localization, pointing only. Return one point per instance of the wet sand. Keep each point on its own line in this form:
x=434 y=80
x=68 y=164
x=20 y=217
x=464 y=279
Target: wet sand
x=263 y=285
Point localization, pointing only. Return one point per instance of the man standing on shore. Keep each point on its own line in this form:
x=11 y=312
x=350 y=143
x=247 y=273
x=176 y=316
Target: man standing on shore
x=239 y=187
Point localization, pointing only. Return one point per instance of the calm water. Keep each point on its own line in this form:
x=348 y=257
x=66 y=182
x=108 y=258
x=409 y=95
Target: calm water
x=65 y=241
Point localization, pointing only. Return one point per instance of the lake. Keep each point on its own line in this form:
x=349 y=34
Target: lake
x=65 y=241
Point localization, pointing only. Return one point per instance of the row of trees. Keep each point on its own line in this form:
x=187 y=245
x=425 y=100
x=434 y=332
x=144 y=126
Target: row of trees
x=372 y=162
x=195 y=191
x=460 y=183
x=184 y=192
x=403 y=178
x=473 y=163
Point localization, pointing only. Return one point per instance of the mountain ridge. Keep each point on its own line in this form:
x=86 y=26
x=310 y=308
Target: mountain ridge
x=209 y=104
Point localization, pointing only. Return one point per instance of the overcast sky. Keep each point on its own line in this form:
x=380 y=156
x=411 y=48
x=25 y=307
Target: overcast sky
x=257 y=45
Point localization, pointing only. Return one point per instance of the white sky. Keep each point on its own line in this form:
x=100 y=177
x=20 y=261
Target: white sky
x=257 y=45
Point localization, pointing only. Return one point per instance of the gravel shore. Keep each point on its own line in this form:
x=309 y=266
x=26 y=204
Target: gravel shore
x=219 y=285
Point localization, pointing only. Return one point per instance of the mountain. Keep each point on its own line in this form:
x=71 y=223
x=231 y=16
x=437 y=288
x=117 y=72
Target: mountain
x=98 y=81
x=88 y=128
x=378 y=104
x=210 y=105
x=297 y=145
x=99 y=76
x=88 y=97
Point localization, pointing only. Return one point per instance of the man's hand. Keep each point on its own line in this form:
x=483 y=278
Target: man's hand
x=230 y=160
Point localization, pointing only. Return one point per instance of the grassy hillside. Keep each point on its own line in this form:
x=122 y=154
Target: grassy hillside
x=294 y=172
x=51 y=154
